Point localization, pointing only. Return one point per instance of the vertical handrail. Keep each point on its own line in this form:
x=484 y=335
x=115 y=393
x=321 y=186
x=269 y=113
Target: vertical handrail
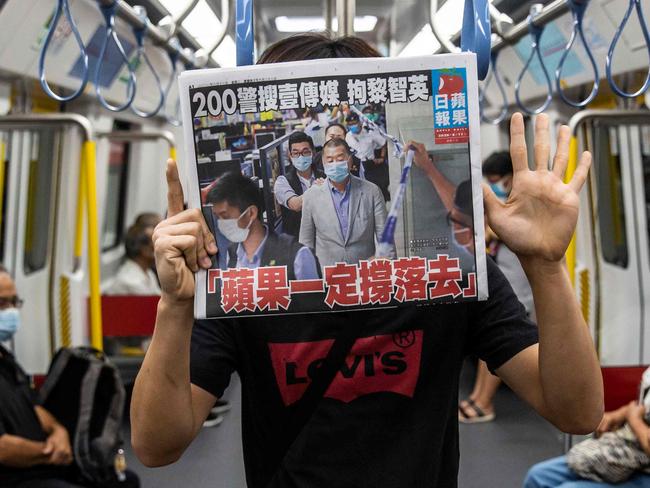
x=446 y=44
x=79 y=214
x=3 y=174
x=476 y=35
x=572 y=164
x=89 y=162
x=244 y=32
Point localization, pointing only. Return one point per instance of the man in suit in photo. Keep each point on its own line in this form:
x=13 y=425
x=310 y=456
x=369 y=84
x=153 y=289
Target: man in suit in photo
x=343 y=218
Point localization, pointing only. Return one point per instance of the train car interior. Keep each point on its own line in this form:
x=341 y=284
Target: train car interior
x=90 y=113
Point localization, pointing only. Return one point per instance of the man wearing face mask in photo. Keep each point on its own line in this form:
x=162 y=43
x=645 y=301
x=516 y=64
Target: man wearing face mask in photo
x=342 y=218
x=34 y=447
x=299 y=177
x=370 y=147
x=336 y=131
x=236 y=204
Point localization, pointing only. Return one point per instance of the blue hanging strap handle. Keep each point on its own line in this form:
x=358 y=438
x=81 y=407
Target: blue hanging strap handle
x=476 y=34
x=536 y=35
x=173 y=119
x=244 y=32
x=63 y=8
x=140 y=34
x=108 y=11
x=578 y=8
x=634 y=4
x=494 y=74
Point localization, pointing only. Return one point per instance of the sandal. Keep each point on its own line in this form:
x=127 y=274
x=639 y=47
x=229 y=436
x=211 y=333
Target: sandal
x=479 y=415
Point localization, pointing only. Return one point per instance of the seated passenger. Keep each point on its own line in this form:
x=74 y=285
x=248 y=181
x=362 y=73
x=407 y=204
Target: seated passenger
x=34 y=448
x=289 y=188
x=236 y=203
x=136 y=275
x=632 y=423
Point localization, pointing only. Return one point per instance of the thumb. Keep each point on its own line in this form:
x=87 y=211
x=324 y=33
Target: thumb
x=491 y=202
x=49 y=447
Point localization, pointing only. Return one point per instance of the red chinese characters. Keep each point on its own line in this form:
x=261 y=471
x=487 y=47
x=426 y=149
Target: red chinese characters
x=376 y=281
x=342 y=285
x=238 y=290
x=445 y=275
x=272 y=288
x=410 y=279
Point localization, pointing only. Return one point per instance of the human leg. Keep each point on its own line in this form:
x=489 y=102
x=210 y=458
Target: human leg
x=551 y=473
x=479 y=405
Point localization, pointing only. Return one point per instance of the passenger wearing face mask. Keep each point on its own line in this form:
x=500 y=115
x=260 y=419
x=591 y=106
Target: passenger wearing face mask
x=34 y=447
x=301 y=175
x=370 y=147
x=236 y=204
x=342 y=218
x=336 y=131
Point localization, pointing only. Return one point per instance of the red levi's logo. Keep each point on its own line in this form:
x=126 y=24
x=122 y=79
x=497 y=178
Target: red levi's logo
x=385 y=363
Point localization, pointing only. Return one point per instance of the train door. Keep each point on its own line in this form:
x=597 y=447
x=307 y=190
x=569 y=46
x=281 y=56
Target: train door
x=32 y=169
x=620 y=258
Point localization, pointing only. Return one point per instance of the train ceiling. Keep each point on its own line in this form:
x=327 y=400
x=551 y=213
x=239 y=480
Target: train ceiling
x=397 y=21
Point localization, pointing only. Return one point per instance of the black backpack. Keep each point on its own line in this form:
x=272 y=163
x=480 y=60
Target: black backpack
x=83 y=390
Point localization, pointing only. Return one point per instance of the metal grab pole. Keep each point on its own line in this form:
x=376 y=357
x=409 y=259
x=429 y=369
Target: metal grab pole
x=446 y=45
x=204 y=55
x=157 y=35
x=136 y=136
x=345 y=13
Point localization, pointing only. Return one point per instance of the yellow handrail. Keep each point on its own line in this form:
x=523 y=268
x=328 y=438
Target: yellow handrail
x=172 y=153
x=570 y=170
x=89 y=164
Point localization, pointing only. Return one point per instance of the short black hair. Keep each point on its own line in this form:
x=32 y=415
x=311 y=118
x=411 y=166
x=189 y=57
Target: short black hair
x=148 y=219
x=135 y=239
x=237 y=190
x=498 y=163
x=337 y=143
x=463 y=198
x=336 y=124
x=298 y=137
x=3 y=269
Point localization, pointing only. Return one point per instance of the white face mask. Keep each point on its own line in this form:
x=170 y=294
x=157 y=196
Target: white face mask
x=231 y=230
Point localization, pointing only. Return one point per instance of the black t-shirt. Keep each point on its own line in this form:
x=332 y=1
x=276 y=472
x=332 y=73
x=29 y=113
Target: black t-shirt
x=18 y=418
x=389 y=418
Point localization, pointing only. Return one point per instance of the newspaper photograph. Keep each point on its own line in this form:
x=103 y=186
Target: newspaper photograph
x=334 y=187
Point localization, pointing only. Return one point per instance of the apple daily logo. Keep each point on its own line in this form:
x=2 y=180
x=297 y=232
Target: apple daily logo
x=385 y=363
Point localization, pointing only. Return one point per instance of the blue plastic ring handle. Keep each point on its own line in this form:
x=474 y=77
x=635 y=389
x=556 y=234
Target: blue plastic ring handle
x=610 y=55
x=141 y=54
x=244 y=32
x=578 y=8
x=476 y=34
x=108 y=11
x=494 y=73
x=173 y=59
x=62 y=8
x=536 y=35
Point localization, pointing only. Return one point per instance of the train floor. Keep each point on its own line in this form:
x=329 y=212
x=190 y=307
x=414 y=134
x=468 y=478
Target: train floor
x=493 y=455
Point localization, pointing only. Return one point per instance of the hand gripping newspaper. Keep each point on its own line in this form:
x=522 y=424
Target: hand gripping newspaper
x=336 y=185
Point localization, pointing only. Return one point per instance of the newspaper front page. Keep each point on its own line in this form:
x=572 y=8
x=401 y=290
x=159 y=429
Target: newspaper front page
x=336 y=184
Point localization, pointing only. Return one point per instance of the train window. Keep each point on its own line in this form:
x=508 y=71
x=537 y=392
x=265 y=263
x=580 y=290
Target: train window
x=645 y=156
x=611 y=209
x=4 y=189
x=42 y=172
x=115 y=205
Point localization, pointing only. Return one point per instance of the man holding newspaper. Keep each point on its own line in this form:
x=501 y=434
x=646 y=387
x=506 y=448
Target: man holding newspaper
x=389 y=417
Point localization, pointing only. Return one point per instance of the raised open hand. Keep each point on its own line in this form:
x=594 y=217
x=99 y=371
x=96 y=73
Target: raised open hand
x=540 y=215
